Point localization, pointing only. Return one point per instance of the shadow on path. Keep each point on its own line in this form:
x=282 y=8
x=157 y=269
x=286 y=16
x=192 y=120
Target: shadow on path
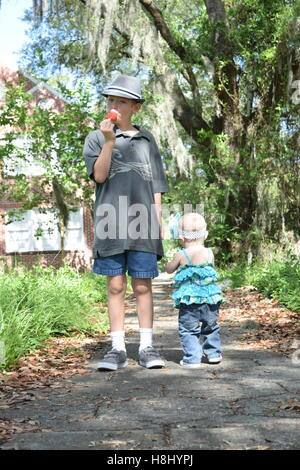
x=249 y=401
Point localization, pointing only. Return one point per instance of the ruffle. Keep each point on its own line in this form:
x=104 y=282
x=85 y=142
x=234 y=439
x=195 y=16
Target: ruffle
x=195 y=280
x=192 y=289
x=196 y=271
x=194 y=299
x=202 y=291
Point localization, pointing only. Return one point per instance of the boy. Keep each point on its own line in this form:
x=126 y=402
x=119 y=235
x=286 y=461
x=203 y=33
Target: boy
x=125 y=163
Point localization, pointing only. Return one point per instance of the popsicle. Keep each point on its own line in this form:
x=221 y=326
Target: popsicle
x=112 y=115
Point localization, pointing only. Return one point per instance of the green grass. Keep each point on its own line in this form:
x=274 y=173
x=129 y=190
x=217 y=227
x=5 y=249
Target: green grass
x=278 y=279
x=38 y=304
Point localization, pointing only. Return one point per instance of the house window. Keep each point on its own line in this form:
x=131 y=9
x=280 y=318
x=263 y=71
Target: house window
x=2 y=94
x=38 y=231
x=44 y=104
x=22 y=162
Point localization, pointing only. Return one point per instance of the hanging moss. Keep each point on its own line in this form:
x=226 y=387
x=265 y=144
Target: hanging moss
x=102 y=17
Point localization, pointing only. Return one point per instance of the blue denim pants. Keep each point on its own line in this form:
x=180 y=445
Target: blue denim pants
x=197 y=320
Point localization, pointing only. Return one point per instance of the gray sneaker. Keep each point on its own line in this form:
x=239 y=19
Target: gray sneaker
x=194 y=365
x=113 y=360
x=211 y=360
x=150 y=358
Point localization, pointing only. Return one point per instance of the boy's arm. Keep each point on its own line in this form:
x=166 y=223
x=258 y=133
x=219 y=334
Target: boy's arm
x=103 y=162
x=172 y=265
x=157 y=200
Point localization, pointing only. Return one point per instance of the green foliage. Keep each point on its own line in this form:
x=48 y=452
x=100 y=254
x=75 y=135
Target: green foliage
x=36 y=305
x=278 y=279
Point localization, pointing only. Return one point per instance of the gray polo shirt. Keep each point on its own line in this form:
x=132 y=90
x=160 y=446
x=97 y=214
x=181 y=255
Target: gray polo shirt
x=125 y=216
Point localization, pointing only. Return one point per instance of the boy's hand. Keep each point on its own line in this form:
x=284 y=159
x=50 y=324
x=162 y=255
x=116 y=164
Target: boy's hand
x=107 y=125
x=107 y=129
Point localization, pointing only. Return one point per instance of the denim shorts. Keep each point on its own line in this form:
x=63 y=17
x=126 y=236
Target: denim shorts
x=140 y=264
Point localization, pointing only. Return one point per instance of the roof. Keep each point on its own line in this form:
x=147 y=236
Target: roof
x=41 y=84
x=10 y=74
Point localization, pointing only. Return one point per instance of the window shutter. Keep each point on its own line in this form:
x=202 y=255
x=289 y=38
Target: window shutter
x=74 y=238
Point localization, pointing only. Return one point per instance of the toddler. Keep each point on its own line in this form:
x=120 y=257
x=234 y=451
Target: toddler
x=197 y=295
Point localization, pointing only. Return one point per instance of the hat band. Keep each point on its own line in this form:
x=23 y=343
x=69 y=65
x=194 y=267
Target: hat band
x=110 y=91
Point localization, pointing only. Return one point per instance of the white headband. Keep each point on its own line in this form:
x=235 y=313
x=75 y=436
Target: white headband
x=192 y=235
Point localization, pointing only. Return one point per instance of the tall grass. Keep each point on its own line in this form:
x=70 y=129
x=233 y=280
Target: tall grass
x=38 y=304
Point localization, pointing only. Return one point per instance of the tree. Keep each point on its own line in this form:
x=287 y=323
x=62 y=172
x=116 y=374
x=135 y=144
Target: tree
x=53 y=139
x=222 y=73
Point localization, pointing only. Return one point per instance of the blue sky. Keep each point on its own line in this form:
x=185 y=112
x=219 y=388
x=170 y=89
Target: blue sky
x=12 y=29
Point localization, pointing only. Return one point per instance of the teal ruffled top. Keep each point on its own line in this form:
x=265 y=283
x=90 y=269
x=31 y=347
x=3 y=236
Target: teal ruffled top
x=196 y=284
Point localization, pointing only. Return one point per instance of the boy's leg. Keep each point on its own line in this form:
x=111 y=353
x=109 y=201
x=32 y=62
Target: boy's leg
x=142 y=288
x=116 y=287
x=116 y=358
x=142 y=267
x=114 y=267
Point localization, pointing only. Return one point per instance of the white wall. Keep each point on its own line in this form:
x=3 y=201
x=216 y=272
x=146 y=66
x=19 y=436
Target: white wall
x=39 y=232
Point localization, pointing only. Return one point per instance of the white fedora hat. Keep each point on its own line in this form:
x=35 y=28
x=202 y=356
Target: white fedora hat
x=126 y=87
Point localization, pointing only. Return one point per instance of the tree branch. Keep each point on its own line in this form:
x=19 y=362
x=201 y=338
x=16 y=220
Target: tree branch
x=190 y=120
x=163 y=28
x=183 y=111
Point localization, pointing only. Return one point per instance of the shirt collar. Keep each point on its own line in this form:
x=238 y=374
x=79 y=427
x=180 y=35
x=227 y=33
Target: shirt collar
x=141 y=133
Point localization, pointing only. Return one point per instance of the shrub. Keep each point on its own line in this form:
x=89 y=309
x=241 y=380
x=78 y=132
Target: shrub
x=279 y=279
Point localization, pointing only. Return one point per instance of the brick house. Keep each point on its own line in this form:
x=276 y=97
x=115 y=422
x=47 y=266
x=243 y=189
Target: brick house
x=18 y=241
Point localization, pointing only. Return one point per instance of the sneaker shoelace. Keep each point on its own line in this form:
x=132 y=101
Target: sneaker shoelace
x=150 y=351
x=113 y=353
